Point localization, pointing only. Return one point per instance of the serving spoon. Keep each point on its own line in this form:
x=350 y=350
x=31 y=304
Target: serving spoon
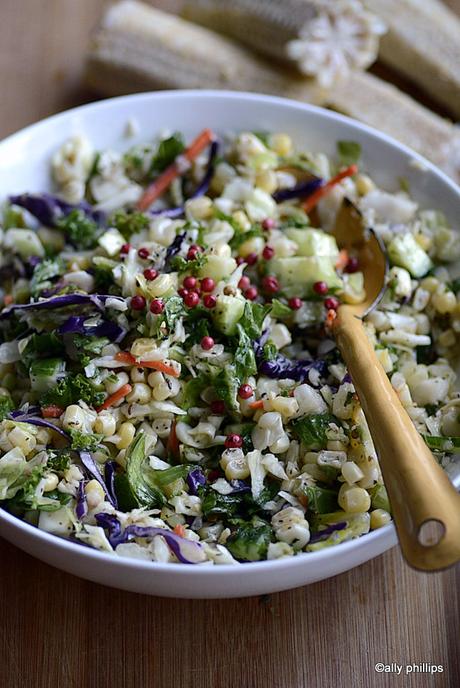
x=425 y=504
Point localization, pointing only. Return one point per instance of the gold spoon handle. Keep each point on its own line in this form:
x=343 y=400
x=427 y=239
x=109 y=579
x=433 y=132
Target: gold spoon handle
x=425 y=505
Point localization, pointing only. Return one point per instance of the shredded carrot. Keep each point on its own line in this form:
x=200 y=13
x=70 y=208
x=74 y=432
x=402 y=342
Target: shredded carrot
x=116 y=396
x=8 y=299
x=317 y=195
x=342 y=260
x=257 y=404
x=159 y=186
x=161 y=366
x=52 y=411
x=330 y=317
x=126 y=357
x=172 y=444
x=179 y=530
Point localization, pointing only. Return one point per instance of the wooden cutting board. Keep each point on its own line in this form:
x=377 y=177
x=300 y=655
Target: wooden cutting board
x=57 y=631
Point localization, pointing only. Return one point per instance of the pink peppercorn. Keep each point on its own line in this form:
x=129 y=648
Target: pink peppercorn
x=268 y=252
x=157 y=306
x=251 y=293
x=143 y=253
x=209 y=301
x=207 y=343
x=320 y=288
x=233 y=441
x=207 y=284
x=245 y=391
x=295 y=303
x=150 y=274
x=331 y=303
x=191 y=299
x=138 y=303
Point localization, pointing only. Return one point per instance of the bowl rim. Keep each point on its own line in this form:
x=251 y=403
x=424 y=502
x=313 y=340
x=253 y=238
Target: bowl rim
x=387 y=532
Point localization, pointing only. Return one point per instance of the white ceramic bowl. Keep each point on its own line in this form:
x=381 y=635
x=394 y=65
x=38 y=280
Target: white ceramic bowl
x=24 y=166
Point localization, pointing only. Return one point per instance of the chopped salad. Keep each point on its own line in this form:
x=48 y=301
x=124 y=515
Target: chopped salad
x=170 y=390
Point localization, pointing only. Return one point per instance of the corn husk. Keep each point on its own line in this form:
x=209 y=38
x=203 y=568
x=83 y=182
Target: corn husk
x=324 y=39
x=383 y=106
x=140 y=48
x=423 y=43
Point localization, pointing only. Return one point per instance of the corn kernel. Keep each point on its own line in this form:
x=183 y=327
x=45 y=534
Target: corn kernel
x=424 y=241
x=445 y=302
x=237 y=469
x=281 y=144
x=354 y=499
x=94 y=493
x=430 y=284
x=198 y=208
x=22 y=439
x=113 y=385
x=267 y=181
x=352 y=472
x=254 y=245
x=51 y=482
x=140 y=394
x=137 y=375
x=105 y=424
x=364 y=184
x=379 y=518
x=74 y=418
x=241 y=219
x=126 y=434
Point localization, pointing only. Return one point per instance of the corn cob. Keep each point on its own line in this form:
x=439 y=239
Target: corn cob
x=323 y=38
x=385 y=107
x=140 y=48
x=423 y=43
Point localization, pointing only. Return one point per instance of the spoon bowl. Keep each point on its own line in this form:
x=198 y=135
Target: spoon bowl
x=425 y=505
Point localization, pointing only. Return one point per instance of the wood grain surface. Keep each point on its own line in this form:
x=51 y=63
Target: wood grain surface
x=57 y=631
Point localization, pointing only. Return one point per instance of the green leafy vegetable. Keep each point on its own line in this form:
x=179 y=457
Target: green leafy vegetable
x=13 y=218
x=311 y=430
x=167 y=152
x=443 y=444
x=280 y=311
x=253 y=316
x=379 y=498
x=173 y=310
x=226 y=385
x=455 y=285
x=72 y=389
x=44 y=373
x=80 y=231
x=241 y=235
x=44 y=275
x=6 y=406
x=270 y=351
x=42 y=346
x=244 y=358
x=137 y=487
x=349 y=152
x=193 y=389
x=249 y=541
x=84 y=441
x=59 y=461
x=129 y=223
x=215 y=504
x=320 y=500
x=193 y=267
x=92 y=345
